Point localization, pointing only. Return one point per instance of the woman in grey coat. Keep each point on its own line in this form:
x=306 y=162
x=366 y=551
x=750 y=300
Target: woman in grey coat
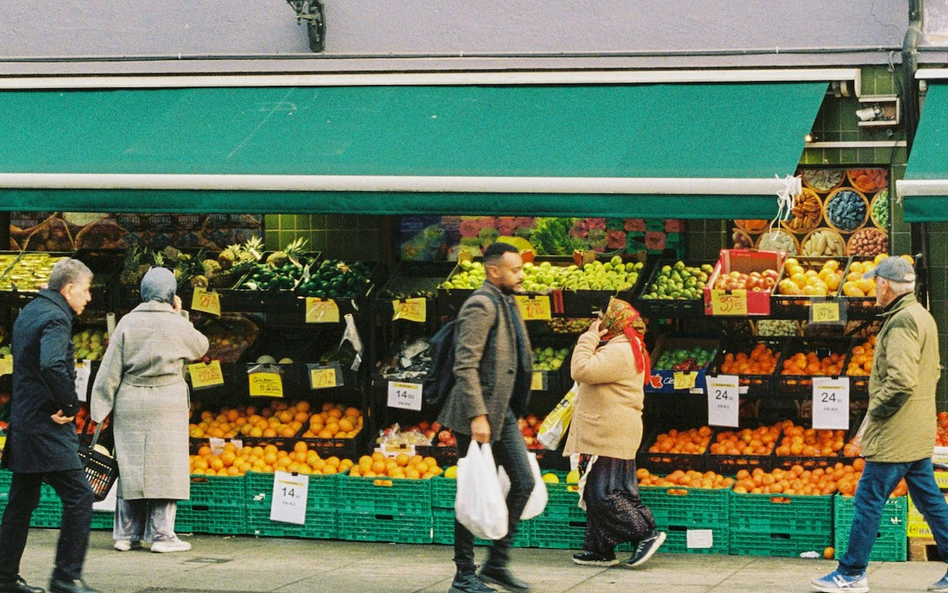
x=141 y=381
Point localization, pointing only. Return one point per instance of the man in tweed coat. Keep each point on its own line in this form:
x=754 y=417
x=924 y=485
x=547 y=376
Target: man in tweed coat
x=493 y=366
x=42 y=443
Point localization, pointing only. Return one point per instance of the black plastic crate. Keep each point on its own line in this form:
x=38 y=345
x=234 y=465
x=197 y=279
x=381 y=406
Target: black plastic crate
x=796 y=384
x=730 y=464
x=753 y=385
x=670 y=308
x=797 y=306
x=658 y=462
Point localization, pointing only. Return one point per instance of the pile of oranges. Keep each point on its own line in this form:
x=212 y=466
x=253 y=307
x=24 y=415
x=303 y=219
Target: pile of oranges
x=334 y=422
x=798 y=281
x=758 y=441
x=860 y=363
x=690 y=479
x=810 y=363
x=693 y=442
x=412 y=467
x=797 y=480
x=265 y=459
x=941 y=437
x=279 y=419
x=809 y=442
x=760 y=361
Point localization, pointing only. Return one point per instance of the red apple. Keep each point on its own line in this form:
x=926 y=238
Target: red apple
x=444 y=435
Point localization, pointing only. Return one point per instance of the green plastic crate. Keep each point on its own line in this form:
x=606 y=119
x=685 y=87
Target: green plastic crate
x=676 y=541
x=385 y=496
x=6 y=478
x=696 y=508
x=443 y=492
x=890 y=545
x=558 y=533
x=48 y=514
x=203 y=518
x=442 y=525
x=563 y=500
x=762 y=514
x=102 y=520
x=318 y=525
x=218 y=490
x=778 y=544
x=379 y=527
x=322 y=493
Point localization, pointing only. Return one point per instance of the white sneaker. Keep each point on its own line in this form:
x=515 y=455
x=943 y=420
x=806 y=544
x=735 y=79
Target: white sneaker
x=172 y=546
x=124 y=545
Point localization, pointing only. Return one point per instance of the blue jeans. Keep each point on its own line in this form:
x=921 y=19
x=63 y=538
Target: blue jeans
x=877 y=482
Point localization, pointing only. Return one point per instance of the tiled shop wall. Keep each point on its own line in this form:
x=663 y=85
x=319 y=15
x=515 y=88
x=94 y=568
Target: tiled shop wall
x=338 y=236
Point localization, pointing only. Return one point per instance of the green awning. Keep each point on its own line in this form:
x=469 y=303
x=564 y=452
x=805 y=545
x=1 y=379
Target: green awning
x=924 y=191
x=704 y=150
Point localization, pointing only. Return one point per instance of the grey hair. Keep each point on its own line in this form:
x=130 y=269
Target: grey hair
x=68 y=271
x=901 y=287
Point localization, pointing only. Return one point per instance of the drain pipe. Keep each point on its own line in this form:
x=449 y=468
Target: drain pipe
x=910 y=104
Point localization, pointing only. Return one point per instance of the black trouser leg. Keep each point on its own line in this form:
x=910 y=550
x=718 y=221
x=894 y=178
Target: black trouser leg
x=76 y=494
x=463 y=539
x=24 y=497
x=511 y=453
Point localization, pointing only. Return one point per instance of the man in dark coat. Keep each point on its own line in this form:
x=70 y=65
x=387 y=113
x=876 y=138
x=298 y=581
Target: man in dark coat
x=493 y=366
x=42 y=443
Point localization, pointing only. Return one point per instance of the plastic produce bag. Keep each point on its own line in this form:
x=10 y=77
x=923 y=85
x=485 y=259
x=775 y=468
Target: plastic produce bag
x=557 y=422
x=538 y=497
x=480 y=505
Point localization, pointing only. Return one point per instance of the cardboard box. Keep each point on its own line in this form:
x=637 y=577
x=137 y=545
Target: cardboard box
x=744 y=261
x=916 y=525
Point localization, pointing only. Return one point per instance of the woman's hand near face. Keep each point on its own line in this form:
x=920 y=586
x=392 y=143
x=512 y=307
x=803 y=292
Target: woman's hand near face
x=594 y=329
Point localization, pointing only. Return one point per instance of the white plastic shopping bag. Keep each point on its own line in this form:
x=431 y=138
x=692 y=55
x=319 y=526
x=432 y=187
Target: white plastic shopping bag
x=480 y=505
x=538 y=497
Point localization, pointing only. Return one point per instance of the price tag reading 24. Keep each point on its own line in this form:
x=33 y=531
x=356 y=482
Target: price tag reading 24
x=729 y=302
x=831 y=403
x=535 y=308
x=209 y=302
x=723 y=401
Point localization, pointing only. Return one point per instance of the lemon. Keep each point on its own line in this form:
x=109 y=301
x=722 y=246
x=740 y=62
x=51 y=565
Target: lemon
x=551 y=478
x=573 y=477
x=451 y=472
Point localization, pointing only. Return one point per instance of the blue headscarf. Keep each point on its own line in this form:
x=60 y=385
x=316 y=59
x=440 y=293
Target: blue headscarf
x=159 y=285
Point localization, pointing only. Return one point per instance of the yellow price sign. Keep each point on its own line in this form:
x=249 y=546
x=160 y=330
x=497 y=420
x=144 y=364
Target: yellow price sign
x=209 y=302
x=414 y=309
x=729 y=302
x=206 y=374
x=320 y=311
x=827 y=312
x=322 y=377
x=6 y=365
x=265 y=384
x=685 y=380
x=3 y=442
x=535 y=308
x=536 y=382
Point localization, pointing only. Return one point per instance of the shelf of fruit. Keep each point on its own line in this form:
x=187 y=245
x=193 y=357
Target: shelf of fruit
x=675 y=289
x=25 y=274
x=676 y=358
x=412 y=280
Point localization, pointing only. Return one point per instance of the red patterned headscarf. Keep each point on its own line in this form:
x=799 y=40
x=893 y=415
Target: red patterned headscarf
x=621 y=317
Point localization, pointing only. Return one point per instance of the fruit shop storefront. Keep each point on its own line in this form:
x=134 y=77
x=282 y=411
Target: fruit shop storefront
x=325 y=329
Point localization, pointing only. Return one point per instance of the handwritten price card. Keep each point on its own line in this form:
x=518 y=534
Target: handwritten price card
x=320 y=311
x=206 y=375
x=322 y=377
x=825 y=312
x=415 y=309
x=209 y=302
x=6 y=365
x=729 y=302
x=535 y=308
x=265 y=384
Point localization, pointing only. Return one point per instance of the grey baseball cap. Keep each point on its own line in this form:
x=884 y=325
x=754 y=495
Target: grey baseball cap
x=892 y=268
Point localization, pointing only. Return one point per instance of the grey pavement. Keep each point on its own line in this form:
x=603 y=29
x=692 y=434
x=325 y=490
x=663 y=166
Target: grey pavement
x=247 y=564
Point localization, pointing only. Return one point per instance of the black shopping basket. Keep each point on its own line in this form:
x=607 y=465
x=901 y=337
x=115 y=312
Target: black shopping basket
x=101 y=470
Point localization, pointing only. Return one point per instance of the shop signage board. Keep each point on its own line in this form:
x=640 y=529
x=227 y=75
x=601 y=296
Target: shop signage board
x=831 y=402
x=204 y=375
x=288 y=503
x=723 y=400
x=321 y=311
x=83 y=374
x=413 y=309
x=405 y=396
x=206 y=301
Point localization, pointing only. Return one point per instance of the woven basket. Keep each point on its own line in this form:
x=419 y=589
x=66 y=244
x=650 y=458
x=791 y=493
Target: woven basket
x=833 y=196
x=822 y=180
x=836 y=237
x=796 y=243
x=868 y=230
x=809 y=195
x=872 y=216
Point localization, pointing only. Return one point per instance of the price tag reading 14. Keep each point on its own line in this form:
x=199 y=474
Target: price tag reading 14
x=723 y=403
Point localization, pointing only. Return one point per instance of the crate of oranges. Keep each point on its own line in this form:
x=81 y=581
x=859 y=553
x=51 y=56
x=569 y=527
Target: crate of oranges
x=809 y=447
x=335 y=430
x=754 y=361
x=389 y=485
x=665 y=451
x=734 y=449
x=859 y=365
x=803 y=359
x=803 y=278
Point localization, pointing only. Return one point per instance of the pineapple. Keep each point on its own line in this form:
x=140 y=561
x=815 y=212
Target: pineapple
x=228 y=256
x=291 y=252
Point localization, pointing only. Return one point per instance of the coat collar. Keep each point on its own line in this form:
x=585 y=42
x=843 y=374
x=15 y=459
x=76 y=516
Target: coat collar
x=154 y=307
x=903 y=302
x=58 y=299
x=488 y=286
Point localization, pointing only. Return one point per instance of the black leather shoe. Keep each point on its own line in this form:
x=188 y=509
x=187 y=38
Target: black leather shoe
x=76 y=586
x=467 y=582
x=501 y=576
x=19 y=586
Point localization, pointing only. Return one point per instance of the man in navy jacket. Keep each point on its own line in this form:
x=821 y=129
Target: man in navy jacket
x=42 y=443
